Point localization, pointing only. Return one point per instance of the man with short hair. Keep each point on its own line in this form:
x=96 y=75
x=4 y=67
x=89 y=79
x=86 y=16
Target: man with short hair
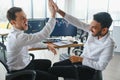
x=98 y=49
x=19 y=42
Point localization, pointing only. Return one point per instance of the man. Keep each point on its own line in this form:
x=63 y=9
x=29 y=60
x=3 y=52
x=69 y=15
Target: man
x=98 y=49
x=19 y=42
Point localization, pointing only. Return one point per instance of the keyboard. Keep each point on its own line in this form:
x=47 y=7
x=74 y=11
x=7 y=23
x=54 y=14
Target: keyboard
x=51 y=40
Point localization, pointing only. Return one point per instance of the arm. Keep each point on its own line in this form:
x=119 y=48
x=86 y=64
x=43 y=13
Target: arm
x=103 y=60
x=28 y=39
x=43 y=45
x=62 y=13
x=51 y=8
x=74 y=21
x=38 y=45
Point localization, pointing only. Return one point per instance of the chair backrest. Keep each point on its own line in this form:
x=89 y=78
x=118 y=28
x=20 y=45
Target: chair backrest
x=82 y=34
x=3 y=55
x=5 y=66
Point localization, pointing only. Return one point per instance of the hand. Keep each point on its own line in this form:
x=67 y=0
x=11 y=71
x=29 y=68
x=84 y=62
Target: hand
x=55 y=6
x=74 y=59
x=51 y=47
x=52 y=8
x=62 y=13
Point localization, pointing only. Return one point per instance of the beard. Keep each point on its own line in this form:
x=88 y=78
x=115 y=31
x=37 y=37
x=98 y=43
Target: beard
x=98 y=34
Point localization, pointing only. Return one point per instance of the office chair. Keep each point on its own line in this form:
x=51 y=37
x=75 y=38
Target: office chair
x=83 y=35
x=97 y=75
x=21 y=75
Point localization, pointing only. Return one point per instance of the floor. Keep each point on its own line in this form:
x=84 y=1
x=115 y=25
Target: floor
x=112 y=72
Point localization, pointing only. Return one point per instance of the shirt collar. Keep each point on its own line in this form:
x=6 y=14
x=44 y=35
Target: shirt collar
x=15 y=29
x=103 y=38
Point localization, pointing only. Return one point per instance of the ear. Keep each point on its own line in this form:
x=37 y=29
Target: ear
x=105 y=30
x=12 y=22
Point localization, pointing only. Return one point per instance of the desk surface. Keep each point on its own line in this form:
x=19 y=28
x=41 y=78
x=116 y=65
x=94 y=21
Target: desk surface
x=4 y=32
x=56 y=46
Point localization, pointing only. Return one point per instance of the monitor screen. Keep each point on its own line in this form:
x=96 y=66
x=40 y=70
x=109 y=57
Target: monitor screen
x=63 y=28
x=35 y=25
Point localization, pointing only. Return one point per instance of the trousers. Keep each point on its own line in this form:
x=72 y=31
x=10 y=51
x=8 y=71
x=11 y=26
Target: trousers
x=41 y=67
x=70 y=70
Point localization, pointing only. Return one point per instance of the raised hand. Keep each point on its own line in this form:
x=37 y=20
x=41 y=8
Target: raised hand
x=52 y=8
x=55 y=5
x=62 y=13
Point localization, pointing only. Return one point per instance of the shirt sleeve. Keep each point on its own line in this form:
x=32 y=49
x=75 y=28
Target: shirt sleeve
x=76 y=22
x=103 y=60
x=38 y=45
x=27 y=39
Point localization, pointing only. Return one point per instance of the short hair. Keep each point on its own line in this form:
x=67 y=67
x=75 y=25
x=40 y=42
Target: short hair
x=11 y=13
x=104 y=18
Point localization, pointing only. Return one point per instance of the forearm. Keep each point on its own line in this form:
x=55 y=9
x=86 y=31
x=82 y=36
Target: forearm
x=74 y=59
x=62 y=13
x=38 y=45
x=76 y=22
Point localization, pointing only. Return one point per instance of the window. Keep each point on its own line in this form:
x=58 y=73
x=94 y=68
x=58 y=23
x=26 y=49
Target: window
x=25 y=5
x=80 y=9
x=95 y=6
x=114 y=10
x=61 y=5
x=5 y=5
x=39 y=8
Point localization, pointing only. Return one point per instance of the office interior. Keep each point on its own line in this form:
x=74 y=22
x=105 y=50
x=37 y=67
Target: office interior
x=37 y=10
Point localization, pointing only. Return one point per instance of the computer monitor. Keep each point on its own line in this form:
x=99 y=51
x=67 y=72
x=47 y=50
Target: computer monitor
x=35 y=25
x=63 y=28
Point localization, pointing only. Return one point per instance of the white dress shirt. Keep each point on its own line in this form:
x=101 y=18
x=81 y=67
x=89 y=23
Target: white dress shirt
x=97 y=52
x=19 y=42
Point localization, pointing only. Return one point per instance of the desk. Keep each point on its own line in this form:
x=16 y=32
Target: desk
x=4 y=32
x=64 y=46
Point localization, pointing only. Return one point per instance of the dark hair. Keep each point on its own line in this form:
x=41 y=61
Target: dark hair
x=11 y=13
x=104 y=18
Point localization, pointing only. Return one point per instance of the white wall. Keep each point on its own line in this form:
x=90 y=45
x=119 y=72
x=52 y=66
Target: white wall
x=116 y=37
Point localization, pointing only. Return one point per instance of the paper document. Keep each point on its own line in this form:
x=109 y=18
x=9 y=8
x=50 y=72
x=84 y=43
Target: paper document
x=62 y=43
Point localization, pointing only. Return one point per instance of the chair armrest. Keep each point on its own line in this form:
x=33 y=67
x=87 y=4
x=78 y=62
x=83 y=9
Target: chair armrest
x=31 y=73
x=32 y=55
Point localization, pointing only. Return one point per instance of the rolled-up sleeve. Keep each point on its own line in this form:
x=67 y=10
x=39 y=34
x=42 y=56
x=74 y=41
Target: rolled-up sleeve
x=103 y=60
x=28 y=39
x=76 y=22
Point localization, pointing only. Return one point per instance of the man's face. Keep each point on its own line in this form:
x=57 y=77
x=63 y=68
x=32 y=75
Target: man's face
x=95 y=28
x=21 y=21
